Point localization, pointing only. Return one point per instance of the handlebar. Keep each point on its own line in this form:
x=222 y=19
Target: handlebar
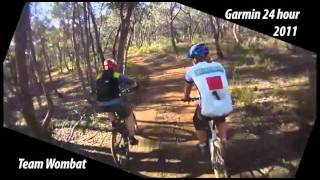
x=126 y=90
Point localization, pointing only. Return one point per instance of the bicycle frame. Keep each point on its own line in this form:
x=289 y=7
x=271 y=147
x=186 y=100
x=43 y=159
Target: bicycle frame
x=215 y=163
x=211 y=140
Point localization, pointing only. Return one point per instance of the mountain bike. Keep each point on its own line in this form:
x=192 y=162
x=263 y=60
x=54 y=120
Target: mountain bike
x=119 y=133
x=217 y=152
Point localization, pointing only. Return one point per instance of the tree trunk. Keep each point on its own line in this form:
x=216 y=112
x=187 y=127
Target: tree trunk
x=124 y=29
x=92 y=45
x=173 y=39
x=34 y=80
x=65 y=60
x=76 y=51
x=92 y=82
x=171 y=27
x=9 y=77
x=60 y=57
x=71 y=57
x=235 y=36
x=114 y=51
x=215 y=32
x=97 y=35
x=129 y=44
x=85 y=44
x=13 y=71
x=108 y=39
x=35 y=65
x=46 y=57
x=28 y=111
x=190 y=27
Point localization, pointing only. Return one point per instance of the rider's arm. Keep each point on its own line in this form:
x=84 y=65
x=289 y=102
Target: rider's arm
x=188 y=85
x=187 y=90
x=123 y=79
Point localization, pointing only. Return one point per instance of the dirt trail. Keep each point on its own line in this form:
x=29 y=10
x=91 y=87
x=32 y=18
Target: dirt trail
x=167 y=145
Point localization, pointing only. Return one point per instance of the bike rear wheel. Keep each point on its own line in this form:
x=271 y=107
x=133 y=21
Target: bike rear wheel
x=219 y=165
x=120 y=149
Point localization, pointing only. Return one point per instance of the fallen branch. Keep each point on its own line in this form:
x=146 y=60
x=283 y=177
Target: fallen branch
x=91 y=137
x=103 y=140
x=73 y=128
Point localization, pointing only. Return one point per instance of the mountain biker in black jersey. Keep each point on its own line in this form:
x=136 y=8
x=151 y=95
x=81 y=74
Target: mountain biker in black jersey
x=108 y=98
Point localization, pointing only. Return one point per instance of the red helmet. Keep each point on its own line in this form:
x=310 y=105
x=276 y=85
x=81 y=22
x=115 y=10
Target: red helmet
x=109 y=64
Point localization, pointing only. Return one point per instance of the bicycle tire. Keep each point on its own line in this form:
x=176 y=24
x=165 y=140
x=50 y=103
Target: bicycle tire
x=120 y=151
x=135 y=120
x=219 y=165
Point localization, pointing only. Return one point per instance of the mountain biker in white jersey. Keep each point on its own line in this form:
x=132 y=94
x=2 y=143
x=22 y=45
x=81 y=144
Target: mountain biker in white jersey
x=215 y=101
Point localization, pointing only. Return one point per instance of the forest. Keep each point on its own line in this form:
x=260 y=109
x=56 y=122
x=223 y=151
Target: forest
x=58 y=48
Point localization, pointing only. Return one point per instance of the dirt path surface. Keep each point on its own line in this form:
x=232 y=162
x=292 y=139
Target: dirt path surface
x=167 y=145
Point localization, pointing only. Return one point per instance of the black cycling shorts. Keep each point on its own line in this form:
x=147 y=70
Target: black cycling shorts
x=201 y=122
x=122 y=109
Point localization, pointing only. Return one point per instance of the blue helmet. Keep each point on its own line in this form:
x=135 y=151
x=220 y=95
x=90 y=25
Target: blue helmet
x=199 y=49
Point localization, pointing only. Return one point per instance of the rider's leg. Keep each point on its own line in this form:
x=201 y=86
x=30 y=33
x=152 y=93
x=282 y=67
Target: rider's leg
x=200 y=126
x=222 y=127
x=112 y=117
x=130 y=123
x=202 y=136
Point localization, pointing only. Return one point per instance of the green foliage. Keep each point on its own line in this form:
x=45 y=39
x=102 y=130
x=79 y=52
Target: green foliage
x=206 y=40
x=245 y=59
x=230 y=48
x=243 y=96
x=247 y=45
x=257 y=59
x=93 y=117
x=183 y=48
x=234 y=75
x=254 y=56
x=156 y=47
x=277 y=90
x=270 y=63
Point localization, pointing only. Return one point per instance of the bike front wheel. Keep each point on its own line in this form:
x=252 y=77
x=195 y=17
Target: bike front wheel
x=120 y=149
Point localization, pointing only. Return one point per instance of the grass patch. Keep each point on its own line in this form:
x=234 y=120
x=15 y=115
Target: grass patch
x=270 y=64
x=254 y=57
x=206 y=40
x=234 y=75
x=156 y=47
x=277 y=90
x=243 y=96
x=183 y=49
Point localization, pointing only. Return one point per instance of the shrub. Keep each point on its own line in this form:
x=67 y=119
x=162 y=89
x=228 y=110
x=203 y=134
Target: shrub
x=243 y=96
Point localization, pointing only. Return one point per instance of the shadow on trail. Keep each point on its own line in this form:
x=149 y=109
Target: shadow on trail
x=267 y=150
x=181 y=159
x=166 y=133
x=165 y=122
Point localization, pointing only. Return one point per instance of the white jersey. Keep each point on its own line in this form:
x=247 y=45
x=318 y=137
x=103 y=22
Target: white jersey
x=211 y=81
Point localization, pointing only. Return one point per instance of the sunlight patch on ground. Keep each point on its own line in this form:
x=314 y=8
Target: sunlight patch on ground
x=245 y=136
x=67 y=89
x=149 y=160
